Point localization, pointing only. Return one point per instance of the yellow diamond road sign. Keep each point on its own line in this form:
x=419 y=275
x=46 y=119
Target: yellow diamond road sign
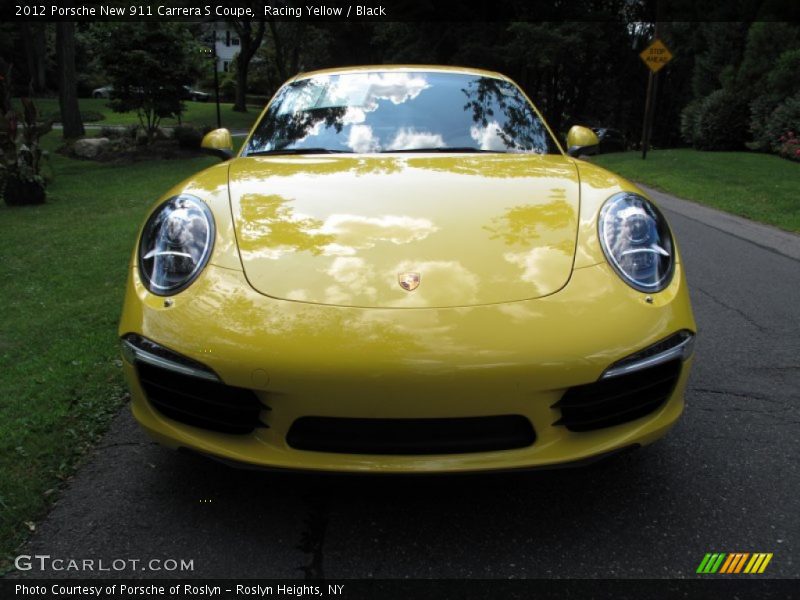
x=656 y=55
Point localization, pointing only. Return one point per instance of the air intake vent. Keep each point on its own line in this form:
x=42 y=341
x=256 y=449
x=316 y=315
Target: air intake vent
x=411 y=436
x=201 y=403
x=618 y=399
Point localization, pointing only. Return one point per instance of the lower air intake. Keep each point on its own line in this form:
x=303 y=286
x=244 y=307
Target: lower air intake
x=618 y=399
x=205 y=404
x=411 y=436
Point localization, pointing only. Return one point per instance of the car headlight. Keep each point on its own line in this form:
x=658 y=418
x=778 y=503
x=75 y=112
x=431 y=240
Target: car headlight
x=637 y=242
x=175 y=245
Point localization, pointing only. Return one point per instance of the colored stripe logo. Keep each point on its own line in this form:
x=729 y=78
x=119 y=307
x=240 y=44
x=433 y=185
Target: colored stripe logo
x=734 y=562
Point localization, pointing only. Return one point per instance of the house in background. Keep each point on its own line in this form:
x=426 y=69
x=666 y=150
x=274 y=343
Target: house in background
x=227 y=45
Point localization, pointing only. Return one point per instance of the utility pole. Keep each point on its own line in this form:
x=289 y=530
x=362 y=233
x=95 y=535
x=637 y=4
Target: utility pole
x=216 y=75
x=650 y=98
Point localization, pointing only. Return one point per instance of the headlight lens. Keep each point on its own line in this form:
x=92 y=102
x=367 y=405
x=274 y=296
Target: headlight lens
x=637 y=242
x=176 y=243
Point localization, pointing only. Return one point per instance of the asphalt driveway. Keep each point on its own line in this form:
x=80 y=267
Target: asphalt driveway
x=726 y=479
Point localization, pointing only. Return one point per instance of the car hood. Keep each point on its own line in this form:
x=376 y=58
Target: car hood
x=345 y=230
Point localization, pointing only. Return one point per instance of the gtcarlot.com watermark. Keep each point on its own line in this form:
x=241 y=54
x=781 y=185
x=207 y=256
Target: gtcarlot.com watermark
x=45 y=562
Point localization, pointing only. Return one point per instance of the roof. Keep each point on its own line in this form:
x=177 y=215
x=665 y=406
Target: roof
x=406 y=68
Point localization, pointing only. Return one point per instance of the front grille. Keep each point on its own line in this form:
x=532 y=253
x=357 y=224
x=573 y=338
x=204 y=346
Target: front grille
x=618 y=399
x=411 y=436
x=205 y=404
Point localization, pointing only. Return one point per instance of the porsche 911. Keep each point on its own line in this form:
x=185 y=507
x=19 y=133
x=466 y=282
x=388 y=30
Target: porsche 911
x=402 y=270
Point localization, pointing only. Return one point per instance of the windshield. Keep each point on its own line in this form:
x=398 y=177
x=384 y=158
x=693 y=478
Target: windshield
x=396 y=111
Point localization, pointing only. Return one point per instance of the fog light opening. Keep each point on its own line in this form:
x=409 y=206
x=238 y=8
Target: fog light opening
x=677 y=346
x=138 y=349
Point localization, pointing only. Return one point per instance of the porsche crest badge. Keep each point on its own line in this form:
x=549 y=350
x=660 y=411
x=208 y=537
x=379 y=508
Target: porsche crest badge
x=408 y=281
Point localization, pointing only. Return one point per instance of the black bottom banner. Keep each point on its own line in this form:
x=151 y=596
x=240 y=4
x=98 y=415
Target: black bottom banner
x=416 y=589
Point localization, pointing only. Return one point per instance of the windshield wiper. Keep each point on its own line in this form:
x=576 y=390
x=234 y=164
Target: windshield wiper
x=298 y=151
x=446 y=149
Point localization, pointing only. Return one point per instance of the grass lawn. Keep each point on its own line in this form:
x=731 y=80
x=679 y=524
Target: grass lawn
x=761 y=187
x=63 y=267
x=197 y=113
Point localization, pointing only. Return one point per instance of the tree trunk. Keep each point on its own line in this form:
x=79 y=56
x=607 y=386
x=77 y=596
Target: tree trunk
x=278 y=48
x=34 y=42
x=30 y=54
x=248 y=44
x=40 y=52
x=241 y=85
x=67 y=81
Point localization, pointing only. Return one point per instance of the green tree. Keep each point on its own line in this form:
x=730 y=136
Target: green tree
x=148 y=63
x=719 y=54
x=290 y=47
x=769 y=73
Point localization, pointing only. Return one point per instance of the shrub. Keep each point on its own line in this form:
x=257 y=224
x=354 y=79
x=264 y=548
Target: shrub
x=689 y=120
x=21 y=179
x=790 y=146
x=227 y=86
x=112 y=132
x=189 y=137
x=761 y=110
x=783 y=129
x=722 y=120
x=781 y=83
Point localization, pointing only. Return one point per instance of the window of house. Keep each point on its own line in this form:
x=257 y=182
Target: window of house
x=235 y=41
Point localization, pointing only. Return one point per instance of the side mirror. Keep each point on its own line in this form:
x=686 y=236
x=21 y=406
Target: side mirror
x=218 y=143
x=581 y=140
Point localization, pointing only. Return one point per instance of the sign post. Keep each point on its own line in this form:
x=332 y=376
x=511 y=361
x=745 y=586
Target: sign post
x=216 y=76
x=655 y=56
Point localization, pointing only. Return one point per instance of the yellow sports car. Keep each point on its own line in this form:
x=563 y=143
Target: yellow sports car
x=402 y=271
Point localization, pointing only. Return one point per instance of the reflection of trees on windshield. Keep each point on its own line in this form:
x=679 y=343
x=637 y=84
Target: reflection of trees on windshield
x=367 y=113
x=503 y=118
x=281 y=131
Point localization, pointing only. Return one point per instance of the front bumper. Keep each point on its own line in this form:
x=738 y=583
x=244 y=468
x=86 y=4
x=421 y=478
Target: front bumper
x=306 y=360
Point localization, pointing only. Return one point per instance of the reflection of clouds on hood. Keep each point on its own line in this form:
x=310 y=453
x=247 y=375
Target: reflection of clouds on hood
x=352 y=276
x=269 y=253
x=355 y=231
x=361 y=139
x=338 y=250
x=299 y=295
x=440 y=282
x=531 y=263
x=409 y=139
x=355 y=282
x=488 y=138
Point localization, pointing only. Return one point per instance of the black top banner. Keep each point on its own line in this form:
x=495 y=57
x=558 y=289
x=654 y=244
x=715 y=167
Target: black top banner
x=402 y=10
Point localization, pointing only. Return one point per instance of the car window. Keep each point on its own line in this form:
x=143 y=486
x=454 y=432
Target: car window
x=395 y=111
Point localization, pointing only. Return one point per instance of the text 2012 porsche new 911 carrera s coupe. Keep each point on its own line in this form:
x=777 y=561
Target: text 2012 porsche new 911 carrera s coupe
x=402 y=271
